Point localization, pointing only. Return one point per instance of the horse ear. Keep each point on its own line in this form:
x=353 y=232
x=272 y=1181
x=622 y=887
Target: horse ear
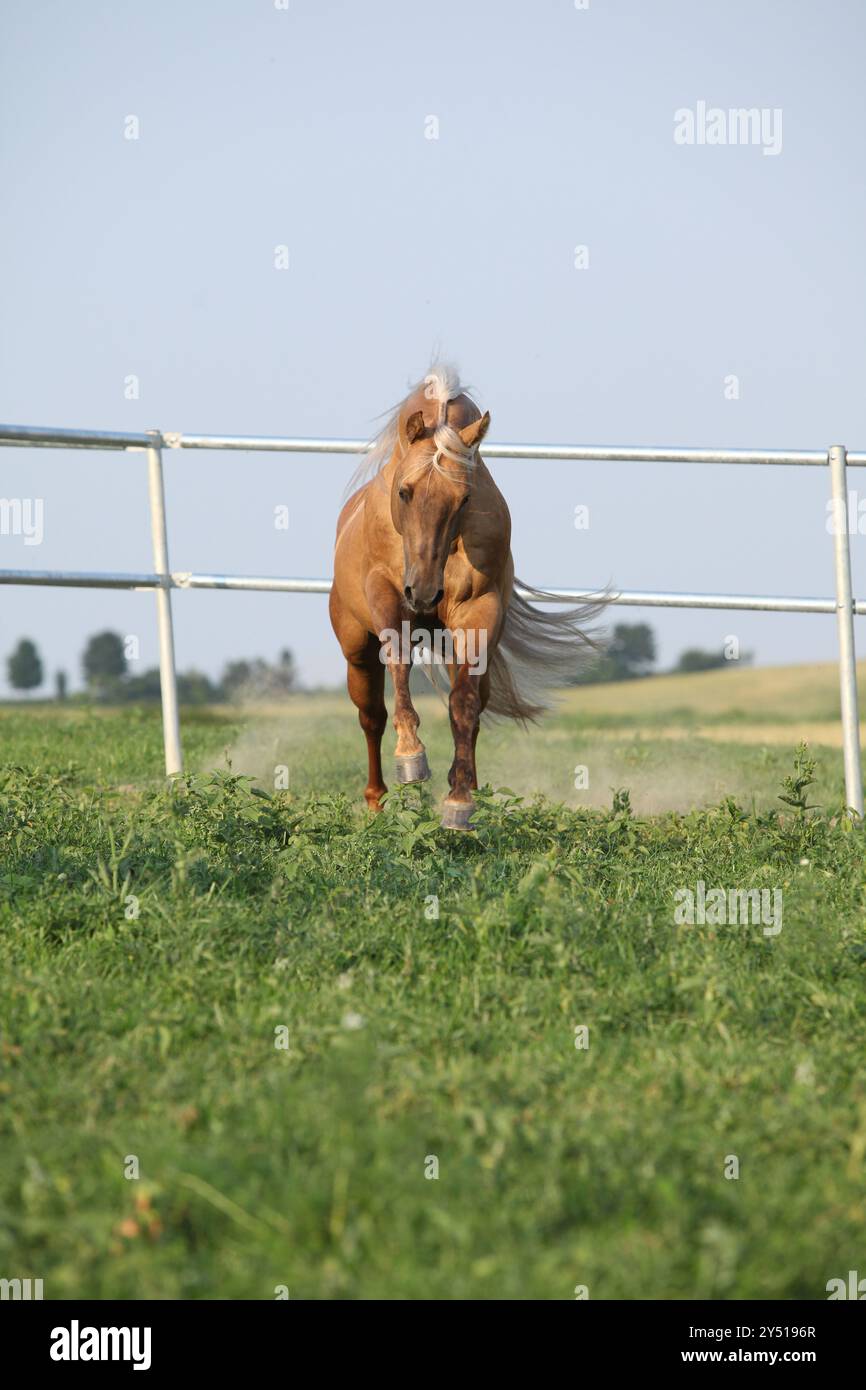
x=414 y=427
x=474 y=433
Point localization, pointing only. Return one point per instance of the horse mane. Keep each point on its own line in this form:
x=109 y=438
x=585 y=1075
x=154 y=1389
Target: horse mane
x=441 y=384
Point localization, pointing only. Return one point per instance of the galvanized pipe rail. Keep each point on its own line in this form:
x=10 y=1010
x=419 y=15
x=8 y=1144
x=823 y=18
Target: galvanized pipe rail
x=162 y=580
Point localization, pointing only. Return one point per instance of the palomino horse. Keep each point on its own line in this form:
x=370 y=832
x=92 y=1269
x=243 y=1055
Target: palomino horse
x=423 y=558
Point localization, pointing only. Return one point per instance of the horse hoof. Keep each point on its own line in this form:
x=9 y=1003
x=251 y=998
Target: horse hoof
x=412 y=767
x=457 y=815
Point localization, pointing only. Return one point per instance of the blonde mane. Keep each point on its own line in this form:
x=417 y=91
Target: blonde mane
x=441 y=384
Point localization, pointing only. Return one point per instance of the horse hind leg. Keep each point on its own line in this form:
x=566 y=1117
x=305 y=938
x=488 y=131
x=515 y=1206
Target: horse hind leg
x=483 y=697
x=366 y=683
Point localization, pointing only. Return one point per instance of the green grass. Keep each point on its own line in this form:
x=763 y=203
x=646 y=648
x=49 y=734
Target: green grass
x=408 y=1037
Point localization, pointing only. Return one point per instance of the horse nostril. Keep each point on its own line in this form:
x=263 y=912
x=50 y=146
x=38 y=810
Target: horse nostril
x=440 y=594
x=408 y=592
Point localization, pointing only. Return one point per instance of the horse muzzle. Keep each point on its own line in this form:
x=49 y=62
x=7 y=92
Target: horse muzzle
x=422 y=599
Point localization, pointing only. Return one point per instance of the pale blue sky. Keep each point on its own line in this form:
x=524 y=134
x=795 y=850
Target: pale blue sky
x=306 y=127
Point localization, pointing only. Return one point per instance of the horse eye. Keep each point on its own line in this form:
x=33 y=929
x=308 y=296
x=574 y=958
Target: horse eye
x=404 y=494
x=464 y=501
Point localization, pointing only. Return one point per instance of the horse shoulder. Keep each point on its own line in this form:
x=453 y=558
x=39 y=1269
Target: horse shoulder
x=351 y=508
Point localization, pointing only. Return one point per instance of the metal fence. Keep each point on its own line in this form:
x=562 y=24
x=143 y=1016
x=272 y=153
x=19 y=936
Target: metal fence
x=162 y=580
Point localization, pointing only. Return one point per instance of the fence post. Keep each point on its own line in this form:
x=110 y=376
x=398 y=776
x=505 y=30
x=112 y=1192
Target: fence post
x=845 y=624
x=167 y=673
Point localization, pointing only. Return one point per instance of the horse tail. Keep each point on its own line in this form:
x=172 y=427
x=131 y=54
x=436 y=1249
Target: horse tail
x=536 y=650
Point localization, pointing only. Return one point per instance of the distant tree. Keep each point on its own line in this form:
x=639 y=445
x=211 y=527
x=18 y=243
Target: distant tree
x=258 y=679
x=284 y=674
x=195 y=688
x=632 y=650
x=24 y=666
x=694 y=659
x=60 y=684
x=235 y=678
x=104 y=662
x=145 y=686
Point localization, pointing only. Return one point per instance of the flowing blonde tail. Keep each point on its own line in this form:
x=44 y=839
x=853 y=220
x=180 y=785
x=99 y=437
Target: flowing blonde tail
x=537 y=650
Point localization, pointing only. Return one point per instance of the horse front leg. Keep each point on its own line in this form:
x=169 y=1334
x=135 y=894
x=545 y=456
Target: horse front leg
x=387 y=613
x=410 y=755
x=475 y=629
x=464 y=707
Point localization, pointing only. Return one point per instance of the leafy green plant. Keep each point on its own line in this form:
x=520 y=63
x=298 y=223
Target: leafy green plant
x=796 y=784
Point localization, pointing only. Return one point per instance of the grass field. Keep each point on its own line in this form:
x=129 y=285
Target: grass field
x=251 y=998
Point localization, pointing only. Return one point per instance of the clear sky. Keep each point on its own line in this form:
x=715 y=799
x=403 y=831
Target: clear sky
x=307 y=127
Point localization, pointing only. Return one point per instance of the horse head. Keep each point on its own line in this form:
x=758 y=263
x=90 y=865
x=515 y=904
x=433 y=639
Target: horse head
x=430 y=494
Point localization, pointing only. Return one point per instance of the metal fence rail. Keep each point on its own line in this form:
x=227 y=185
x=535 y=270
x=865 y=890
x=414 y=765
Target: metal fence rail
x=162 y=580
